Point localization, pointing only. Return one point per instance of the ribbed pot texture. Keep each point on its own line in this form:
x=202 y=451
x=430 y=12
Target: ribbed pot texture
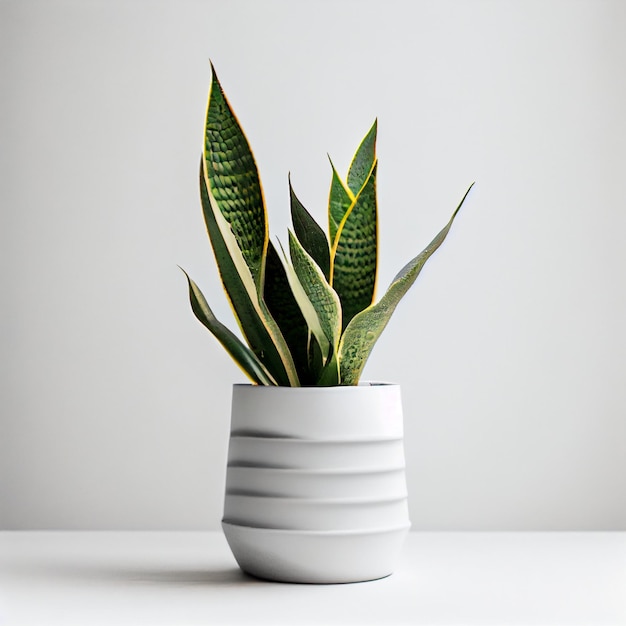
x=315 y=484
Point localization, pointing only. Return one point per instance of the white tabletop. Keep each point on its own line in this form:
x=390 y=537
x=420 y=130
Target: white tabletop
x=180 y=578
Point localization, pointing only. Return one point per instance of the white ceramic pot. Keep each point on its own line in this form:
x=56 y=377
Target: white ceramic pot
x=364 y=412
x=332 y=483
x=311 y=469
x=307 y=454
x=316 y=556
x=316 y=513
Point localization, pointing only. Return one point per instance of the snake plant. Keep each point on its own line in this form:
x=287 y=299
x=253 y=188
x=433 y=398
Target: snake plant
x=308 y=314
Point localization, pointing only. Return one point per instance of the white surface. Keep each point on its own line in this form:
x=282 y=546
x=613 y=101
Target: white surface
x=83 y=579
x=510 y=348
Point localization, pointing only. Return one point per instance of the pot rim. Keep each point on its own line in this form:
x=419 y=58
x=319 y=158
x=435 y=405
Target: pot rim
x=313 y=388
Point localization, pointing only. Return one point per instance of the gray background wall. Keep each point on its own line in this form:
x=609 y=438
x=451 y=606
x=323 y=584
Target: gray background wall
x=511 y=348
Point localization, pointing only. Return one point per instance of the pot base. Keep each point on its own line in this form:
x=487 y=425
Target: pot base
x=315 y=557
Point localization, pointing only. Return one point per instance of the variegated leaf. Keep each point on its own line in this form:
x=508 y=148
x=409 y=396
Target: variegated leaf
x=285 y=310
x=323 y=299
x=241 y=354
x=363 y=161
x=339 y=201
x=365 y=328
x=355 y=252
x=256 y=323
x=233 y=180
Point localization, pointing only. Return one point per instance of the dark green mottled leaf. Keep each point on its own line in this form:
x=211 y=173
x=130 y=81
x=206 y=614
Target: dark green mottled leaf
x=316 y=358
x=363 y=161
x=256 y=323
x=285 y=310
x=310 y=234
x=339 y=201
x=234 y=180
x=354 y=255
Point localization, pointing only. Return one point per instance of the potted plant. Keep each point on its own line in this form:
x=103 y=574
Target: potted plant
x=315 y=487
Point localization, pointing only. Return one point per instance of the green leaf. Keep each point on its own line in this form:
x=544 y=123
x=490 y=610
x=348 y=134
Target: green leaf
x=309 y=233
x=363 y=161
x=329 y=376
x=341 y=195
x=233 y=180
x=255 y=321
x=339 y=201
x=354 y=253
x=285 y=310
x=323 y=310
x=365 y=328
x=241 y=354
x=316 y=358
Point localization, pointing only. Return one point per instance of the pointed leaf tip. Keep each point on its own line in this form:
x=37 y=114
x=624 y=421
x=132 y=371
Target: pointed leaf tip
x=240 y=353
x=363 y=160
x=364 y=329
x=215 y=80
x=309 y=233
